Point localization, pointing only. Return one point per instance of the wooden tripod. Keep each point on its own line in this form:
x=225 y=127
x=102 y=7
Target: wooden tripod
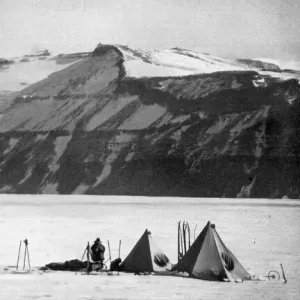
x=26 y=254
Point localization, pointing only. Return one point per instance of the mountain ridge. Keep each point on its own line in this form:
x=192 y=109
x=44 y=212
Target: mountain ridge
x=30 y=68
x=92 y=128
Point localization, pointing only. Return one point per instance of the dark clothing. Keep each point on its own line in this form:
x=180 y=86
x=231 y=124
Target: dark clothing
x=98 y=250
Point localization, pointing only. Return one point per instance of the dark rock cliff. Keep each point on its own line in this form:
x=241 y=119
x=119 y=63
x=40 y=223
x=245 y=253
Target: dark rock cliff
x=90 y=129
x=5 y=63
x=264 y=66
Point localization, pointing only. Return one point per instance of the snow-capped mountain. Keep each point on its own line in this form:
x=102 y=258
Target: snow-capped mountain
x=173 y=62
x=19 y=72
x=172 y=123
x=183 y=62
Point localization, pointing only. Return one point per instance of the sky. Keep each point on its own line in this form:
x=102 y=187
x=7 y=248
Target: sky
x=227 y=28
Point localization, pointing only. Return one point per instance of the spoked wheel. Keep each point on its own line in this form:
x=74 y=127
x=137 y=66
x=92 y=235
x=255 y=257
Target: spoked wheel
x=273 y=275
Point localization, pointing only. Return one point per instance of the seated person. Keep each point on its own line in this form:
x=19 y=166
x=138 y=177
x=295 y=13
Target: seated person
x=98 y=250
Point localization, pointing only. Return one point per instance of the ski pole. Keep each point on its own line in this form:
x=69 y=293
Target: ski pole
x=119 y=255
x=109 y=251
x=178 y=240
x=195 y=232
x=189 y=234
x=120 y=248
x=109 y=258
x=19 y=255
x=184 y=235
x=283 y=275
x=28 y=257
x=82 y=258
x=181 y=242
x=25 y=252
x=88 y=258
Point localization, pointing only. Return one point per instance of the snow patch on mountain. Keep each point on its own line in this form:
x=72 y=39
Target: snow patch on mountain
x=14 y=77
x=109 y=110
x=259 y=82
x=173 y=62
x=11 y=144
x=281 y=75
x=144 y=117
x=182 y=62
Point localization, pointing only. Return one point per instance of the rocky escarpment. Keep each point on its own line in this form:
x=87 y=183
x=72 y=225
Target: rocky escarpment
x=39 y=53
x=70 y=58
x=264 y=66
x=91 y=129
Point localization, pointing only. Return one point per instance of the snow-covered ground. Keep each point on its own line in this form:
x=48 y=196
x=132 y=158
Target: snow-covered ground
x=261 y=233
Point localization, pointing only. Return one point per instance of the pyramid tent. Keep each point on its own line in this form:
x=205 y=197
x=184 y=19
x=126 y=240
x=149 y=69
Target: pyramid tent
x=146 y=256
x=209 y=258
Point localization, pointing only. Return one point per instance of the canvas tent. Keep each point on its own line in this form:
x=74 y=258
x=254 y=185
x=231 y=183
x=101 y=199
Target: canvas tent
x=146 y=256
x=209 y=258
